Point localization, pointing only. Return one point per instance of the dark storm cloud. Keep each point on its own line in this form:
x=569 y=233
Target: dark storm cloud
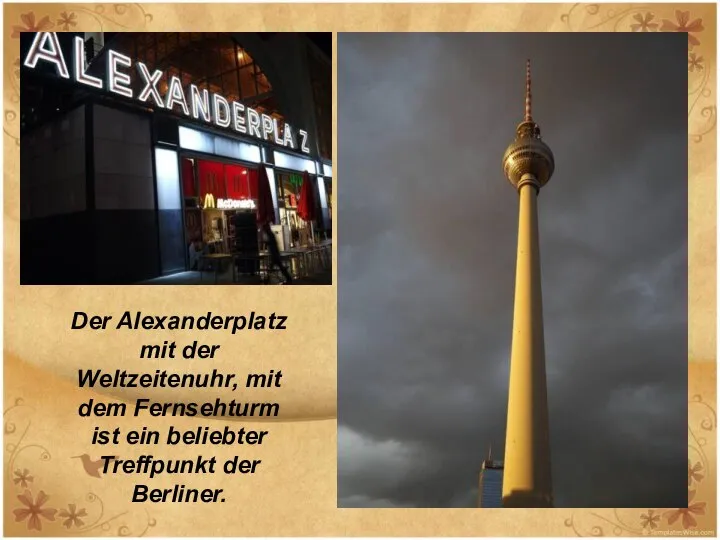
x=428 y=230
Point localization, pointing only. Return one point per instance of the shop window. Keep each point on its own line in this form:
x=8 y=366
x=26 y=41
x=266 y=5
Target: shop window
x=188 y=179
x=230 y=86
x=296 y=230
x=163 y=86
x=263 y=85
x=241 y=183
x=227 y=53
x=290 y=189
x=215 y=85
x=172 y=72
x=328 y=193
x=210 y=60
x=244 y=59
x=193 y=225
x=225 y=191
x=211 y=179
x=247 y=81
x=316 y=198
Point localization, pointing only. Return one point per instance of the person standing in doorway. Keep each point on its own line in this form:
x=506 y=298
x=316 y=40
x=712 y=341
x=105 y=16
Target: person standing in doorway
x=294 y=234
x=274 y=252
x=195 y=254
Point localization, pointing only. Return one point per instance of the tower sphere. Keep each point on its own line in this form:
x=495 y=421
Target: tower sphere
x=528 y=159
x=528 y=154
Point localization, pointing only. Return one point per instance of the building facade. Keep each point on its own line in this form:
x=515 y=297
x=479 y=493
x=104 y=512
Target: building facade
x=491 y=484
x=134 y=146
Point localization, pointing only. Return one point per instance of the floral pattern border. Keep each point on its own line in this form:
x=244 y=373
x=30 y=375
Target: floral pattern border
x=25 y=463
x=37 y=508
x=702 y=109
x=655 y=521
x=25 y=460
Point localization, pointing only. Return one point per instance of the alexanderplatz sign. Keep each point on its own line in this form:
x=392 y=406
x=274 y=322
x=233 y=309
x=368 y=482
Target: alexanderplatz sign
x=198 y=104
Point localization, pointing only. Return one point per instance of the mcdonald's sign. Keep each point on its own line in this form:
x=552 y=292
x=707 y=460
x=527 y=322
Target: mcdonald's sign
x=227 y=204
x=209 y=201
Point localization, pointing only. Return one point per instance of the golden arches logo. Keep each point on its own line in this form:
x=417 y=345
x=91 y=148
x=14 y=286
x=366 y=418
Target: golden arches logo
x=209 y=201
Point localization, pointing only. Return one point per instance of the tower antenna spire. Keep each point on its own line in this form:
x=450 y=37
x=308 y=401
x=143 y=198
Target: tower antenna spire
x=528 y=94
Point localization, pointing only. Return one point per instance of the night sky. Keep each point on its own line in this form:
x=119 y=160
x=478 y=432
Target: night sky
x=427 y=244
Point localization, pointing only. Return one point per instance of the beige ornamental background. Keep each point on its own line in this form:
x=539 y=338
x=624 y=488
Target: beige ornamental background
x=48 y=492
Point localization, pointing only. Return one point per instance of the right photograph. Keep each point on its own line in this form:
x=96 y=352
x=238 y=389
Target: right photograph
x=512 y=294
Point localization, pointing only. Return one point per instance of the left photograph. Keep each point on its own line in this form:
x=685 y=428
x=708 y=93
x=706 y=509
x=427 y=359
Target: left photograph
x=176 y=158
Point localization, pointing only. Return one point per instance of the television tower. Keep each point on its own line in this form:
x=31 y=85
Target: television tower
x=528 y=164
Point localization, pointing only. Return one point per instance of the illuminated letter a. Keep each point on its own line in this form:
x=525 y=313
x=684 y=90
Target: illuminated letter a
x=46 y=47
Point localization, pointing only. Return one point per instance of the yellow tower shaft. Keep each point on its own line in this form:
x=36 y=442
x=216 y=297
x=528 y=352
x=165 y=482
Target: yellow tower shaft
x=527 y=476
